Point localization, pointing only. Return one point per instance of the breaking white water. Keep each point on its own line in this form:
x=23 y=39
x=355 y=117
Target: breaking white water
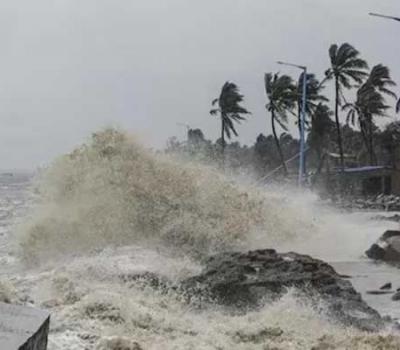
x=112 y=208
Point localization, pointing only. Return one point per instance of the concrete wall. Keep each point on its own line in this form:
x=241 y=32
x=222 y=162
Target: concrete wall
x=23 y=328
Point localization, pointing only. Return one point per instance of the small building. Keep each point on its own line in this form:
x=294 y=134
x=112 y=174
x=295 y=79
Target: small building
x=371 y=180
x=358 y=180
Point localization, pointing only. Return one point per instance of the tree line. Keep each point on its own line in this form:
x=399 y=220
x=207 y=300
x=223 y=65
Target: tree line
x=326 y=129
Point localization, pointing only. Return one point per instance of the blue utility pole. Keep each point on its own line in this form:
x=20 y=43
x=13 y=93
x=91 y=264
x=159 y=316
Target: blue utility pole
x=302 y=130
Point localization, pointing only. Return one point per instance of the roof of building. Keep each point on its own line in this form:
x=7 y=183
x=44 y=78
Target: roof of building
x=365 y=169
x=337 y=155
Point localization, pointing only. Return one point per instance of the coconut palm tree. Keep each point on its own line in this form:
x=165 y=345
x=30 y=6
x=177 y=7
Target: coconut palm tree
x=346 y=68
x=380 y=79
x=370 y=103
x=229 y=110
x=281 y=94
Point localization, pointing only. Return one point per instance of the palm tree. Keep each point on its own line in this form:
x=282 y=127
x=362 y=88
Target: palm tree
x=371 y=103
x=281 y=93
x=346 y=67
x=229 y=110
x=380 y=79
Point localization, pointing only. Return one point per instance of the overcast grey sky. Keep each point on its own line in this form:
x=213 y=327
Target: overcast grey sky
x=69 y=67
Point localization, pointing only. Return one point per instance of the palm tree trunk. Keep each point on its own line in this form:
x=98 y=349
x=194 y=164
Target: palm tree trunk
x=278 y=146
x=364 y=134
x=222 y=135
x=339 y=133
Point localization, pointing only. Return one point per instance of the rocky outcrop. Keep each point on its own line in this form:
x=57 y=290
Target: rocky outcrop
x=118 y=343
x=380 y=202
x=248 y=280
x=387 y=248
x=146 y=279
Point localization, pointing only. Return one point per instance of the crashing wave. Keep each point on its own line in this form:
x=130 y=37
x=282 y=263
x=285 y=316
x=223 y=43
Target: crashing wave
x=112 y=191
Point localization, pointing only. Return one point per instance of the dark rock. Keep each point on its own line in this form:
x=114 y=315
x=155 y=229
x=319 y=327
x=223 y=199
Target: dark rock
x=248 y=280
x=118 y=343
x=376 y=252
x=258 y=337
x=148 y=279
x=386 y=286
x=387 y=248
x=381 y=202
x=396 y=296
x=379 y=292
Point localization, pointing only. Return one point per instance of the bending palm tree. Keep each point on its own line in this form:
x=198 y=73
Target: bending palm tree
x=229 y=110
x=281 y=93
x=346 y=67
x=380 y=79
x=371 y=103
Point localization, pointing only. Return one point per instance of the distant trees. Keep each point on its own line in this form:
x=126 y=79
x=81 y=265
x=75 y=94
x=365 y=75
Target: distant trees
x=390 y=139
x=195 y=136
x=321 y=128
x=229 y=110
x=326 y=133
x=281 y=94
x=265 y=153
x=346 y=67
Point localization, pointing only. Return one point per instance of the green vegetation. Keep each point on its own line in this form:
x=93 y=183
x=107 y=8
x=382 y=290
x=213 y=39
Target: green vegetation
x=364 y=96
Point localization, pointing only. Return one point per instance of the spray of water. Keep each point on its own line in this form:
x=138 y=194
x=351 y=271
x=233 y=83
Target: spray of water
x=112 y=208
x=111 y=191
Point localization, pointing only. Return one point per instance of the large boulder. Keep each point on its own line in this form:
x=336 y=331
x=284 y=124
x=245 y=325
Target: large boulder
x=248 y=280
x=387 y=248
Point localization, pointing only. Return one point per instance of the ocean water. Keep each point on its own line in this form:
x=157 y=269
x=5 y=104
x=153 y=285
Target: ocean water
x=111 y=208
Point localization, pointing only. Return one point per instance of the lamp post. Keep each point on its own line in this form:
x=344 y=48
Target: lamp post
x=302 y=120
x=385 y=16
